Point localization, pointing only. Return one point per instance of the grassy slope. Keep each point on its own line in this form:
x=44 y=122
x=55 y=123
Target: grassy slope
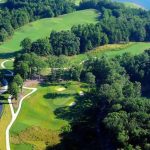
x=142 y=3
x=132 y=5
x=4 y=121
x=77 y=2
x=43 y=27
x=38 y=111
x=111 y=51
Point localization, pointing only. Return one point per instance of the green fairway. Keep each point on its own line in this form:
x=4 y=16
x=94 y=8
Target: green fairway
x=111 y=50
x=77 y=2
x=132 y=5
x=9 y=65
x=3 y=1
x=43 y=27
x=38 y=112
x=134 y=49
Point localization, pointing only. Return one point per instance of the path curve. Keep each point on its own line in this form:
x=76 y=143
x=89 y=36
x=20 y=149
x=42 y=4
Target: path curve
x=14 y=114
x=3 y=67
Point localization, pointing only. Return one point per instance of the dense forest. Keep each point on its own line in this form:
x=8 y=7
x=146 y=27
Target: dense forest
x=113 y=114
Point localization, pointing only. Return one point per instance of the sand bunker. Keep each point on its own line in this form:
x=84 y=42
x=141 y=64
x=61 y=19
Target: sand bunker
x=61 y=89
x=72 y=104
x=81 y=93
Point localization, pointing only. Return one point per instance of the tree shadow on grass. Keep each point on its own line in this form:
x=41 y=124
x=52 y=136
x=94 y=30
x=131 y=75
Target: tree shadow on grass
x=82 y=136
x=3 y=100
x=56 y=95
x=52 y=84
x=8 y=55
x=3 y=103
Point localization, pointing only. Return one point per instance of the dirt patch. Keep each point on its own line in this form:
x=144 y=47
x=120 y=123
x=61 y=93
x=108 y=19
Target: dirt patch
x=60 y=89
x=31 y=83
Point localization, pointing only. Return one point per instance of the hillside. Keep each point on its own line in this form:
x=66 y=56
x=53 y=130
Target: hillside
x=142 y=3
x=74 y=76
x=43 y=27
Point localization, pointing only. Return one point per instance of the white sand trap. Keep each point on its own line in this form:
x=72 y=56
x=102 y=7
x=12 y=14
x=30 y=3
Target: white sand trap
x=72 y=104
x=61 y=89
x=81 y=93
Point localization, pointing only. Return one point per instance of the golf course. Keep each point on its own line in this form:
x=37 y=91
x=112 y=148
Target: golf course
x=36 y=30
x=42 y=28
x=33 y=121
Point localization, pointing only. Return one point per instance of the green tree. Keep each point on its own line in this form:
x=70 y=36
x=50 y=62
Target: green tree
x=18 y=79
x=41 y=47
x=26 y=45
x=90 y=78
x=14 y=90
x=75 y=72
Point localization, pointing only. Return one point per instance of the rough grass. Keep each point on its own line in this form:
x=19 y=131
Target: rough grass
x=43 y=27
x=37 y=113
x=111 y=50
x=132 y=5
x=21 y=146
x=4 y=121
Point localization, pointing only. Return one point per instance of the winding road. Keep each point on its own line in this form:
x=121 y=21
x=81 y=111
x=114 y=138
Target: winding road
x=13 y=113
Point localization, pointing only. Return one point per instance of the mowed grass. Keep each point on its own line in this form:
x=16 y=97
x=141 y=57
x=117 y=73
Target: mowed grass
x=77 y=2
x=43 y=28
x=37 y=121
x=3 y=1
x=9 y=64
x=132 y=5
x=111 y=50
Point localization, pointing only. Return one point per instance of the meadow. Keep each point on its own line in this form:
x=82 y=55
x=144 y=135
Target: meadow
x=42 y=28
x=37 y=115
